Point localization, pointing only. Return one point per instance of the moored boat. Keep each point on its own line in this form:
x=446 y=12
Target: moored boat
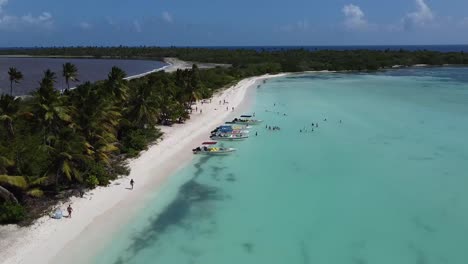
x=230 y=130
x=229 y=137
x=245 y=121
x=210 y=148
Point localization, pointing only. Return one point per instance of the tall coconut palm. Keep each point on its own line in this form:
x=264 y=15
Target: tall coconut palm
x=70 y=73
x=142 y=106
x=15 y=77
x=97 y=119
x=67 y=153
x=48 y=107
x=116 y=85
x=9 y=107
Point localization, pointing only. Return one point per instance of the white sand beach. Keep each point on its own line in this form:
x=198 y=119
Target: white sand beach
x=100 y=212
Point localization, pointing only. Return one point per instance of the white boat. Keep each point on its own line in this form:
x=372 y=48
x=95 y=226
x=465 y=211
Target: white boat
x=229 y=137
x=210 y=148
x=245 y=120
x=238 y=126
x=230 y=130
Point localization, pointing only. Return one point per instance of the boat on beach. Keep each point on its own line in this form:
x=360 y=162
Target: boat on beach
x=210 y=148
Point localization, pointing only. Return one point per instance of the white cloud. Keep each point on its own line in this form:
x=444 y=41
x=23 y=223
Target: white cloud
x=2 y=4
x=166 y=16
x=420 y=17
x=85 y=25
x=137 y=26
x=13 y=22
x=354 y=17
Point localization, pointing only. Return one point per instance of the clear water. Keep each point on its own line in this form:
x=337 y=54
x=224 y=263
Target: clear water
x=88 y=70
x=386 y=185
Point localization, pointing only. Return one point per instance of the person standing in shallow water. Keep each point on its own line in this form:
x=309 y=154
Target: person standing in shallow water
x=132 y=182
x=69 y=210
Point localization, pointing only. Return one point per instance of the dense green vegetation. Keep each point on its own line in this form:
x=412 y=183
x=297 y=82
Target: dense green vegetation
x=53 y=144
x=282 y=60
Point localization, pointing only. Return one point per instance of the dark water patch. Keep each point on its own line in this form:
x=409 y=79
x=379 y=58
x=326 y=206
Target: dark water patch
x=248 y=247
x=199 y=166
x=231 y=177
x=359 y=245
x=420 y=158
x=194 y=253
x=422 y=225
x=215 y=177
x=304 y=253
x=190 y=201
x=359 y=260
x=218 y=169
x=420 y=255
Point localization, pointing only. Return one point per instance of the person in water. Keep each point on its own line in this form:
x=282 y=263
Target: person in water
x=69 y=210
x=256 y=134
x=132 y=182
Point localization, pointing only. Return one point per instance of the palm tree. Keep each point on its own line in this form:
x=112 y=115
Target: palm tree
x=68 y=155
x=70 y=72
x=97 y=119
x=116 y=84
x=48 y=107
x=9 y=107
x=15 y=77
x=142 y=106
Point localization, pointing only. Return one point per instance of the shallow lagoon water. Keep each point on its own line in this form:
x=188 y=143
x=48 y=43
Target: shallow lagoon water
x=387 y=184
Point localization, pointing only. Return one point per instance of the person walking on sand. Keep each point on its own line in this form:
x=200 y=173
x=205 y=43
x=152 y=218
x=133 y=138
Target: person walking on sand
x=69 y=210
x=132 y=182
x=201 y=111
x=233 y=109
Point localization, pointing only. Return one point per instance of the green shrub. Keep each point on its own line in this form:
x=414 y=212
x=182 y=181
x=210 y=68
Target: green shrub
x=135 y=140
x=11 y=213
x=92 y=181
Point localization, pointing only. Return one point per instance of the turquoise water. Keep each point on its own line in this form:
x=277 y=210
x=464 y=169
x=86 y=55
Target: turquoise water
x=387 y=184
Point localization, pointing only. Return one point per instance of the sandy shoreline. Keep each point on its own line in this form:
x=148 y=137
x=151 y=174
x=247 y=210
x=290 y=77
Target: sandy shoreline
x=103 y=210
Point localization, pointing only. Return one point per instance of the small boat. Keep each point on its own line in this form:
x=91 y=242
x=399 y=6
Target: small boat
x=209 y=148
x=230 y=130
x=229 y=137
x=246 y=121
x=238 y=126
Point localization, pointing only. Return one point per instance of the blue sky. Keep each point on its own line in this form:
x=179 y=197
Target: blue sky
x=231 y=23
